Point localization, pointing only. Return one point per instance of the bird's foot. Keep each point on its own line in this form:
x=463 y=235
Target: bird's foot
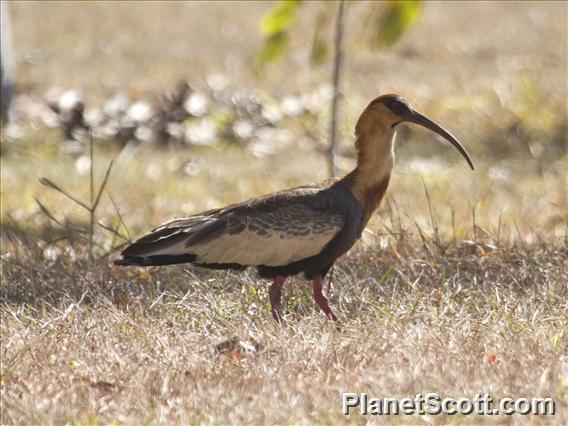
x=323 y=302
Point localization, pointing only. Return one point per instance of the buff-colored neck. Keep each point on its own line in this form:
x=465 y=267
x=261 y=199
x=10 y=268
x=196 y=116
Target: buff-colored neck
x=375 y=160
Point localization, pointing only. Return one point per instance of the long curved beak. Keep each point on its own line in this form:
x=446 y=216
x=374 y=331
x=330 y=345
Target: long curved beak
x=417 y=118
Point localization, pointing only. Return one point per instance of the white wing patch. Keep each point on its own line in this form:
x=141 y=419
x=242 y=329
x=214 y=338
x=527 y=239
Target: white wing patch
x=250 y=248
x=271 y=238
x=274 y=238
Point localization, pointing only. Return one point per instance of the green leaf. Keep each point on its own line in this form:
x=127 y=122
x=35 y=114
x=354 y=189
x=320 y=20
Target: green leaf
x=275 y=26
x=395 y=20
x=273 y=49
x=280 y=18
x=320 y=48
x=319 y=52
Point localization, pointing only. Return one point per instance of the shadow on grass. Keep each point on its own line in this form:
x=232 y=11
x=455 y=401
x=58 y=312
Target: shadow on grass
x=43 y=268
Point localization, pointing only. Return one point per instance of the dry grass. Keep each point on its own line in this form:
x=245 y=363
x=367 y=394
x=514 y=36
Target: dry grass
x=425 y=299
x=104 y=344
x=458 y=286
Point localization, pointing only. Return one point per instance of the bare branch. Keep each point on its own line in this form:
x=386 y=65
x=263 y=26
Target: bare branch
x=337 y=68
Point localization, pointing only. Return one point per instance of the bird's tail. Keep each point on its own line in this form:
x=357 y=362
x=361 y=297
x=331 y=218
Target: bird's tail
x=155 y=260
x=168 y=244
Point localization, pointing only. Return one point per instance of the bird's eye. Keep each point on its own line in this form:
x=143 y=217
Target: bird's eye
x=397 y=107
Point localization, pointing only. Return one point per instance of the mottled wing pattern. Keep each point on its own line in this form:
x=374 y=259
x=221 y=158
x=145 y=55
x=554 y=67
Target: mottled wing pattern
x=270 y=238
x=274 y=230
x=161 y=240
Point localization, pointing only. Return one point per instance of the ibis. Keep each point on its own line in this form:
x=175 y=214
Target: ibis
x=298 y=230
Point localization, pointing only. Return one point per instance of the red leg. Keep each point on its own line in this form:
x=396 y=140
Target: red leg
x=275 y=294
x=322 y=301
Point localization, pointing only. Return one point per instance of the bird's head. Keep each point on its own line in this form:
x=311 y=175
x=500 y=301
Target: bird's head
x=388 y=111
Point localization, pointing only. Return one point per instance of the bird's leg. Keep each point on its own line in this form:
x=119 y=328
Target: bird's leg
x=321 y=300
x=275 y=294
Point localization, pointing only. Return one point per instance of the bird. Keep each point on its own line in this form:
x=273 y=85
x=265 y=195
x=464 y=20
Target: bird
x=299 y=230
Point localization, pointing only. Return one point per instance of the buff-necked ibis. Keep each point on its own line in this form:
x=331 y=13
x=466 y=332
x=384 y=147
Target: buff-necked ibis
x=303 y=229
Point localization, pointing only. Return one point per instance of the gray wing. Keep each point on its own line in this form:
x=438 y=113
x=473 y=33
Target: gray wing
x=272 y=231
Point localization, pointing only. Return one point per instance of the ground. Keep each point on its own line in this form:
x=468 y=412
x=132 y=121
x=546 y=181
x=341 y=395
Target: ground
x=458 y=285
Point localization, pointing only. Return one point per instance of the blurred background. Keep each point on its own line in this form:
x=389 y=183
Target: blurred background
x=118 y=116
x=201 y=104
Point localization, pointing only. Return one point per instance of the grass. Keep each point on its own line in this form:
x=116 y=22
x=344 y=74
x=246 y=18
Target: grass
x=132 y=345
x=458 y=285
x=427 y=302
